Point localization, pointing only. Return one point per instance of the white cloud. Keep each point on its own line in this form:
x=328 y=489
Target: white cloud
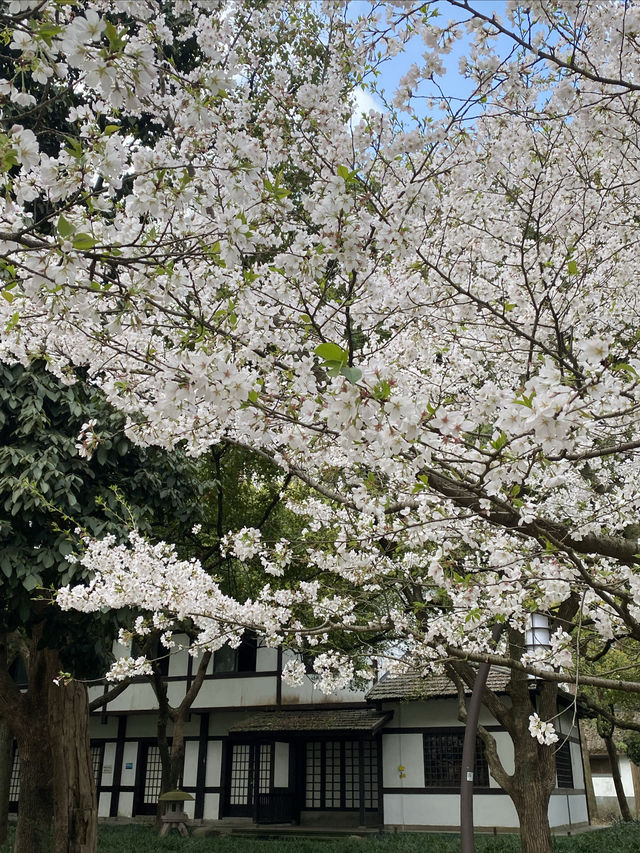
x=363 y=102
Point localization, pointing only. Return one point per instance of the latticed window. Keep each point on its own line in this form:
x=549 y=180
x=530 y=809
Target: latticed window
x=313 y=797
x=443 y=760
x=564 y=770
x=14 y=781
x=240 y=766
x=370 y=770
x=152 y=776
x=333 y=774
x=351 y=775
x=264 y=768
x=97 y=756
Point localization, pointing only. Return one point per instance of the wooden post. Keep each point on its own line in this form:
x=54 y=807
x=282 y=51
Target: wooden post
x=635 y=776
x=592 y=806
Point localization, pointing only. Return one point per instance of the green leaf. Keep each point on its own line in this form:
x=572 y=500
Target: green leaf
x=253 y=396
x=352 y=374
x=333 y=367
x=526 y=401
x=343 y=172
x=116 y=41
x=572 y=268
x=47 y=31
x=331 y=352
x=64 y=227
x=621 y=366
x=382 y=390
x=83 y=241
x=500 y=441
x=422 y=483
x=111 y=128
x=8 y=154
x=12 y=322
x=74 y=147
x=31 y=582
x=65 y=547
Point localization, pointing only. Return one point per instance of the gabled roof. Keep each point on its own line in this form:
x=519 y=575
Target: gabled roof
x=406 y=687
x=298 y=722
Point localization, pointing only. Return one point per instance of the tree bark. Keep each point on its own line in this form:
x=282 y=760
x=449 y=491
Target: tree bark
x=6 y=760
x=35 y=813
x=57 y=809
x=612 y=752
x=29 y=721
x=635 y=776
x=176 y=764
x=530 y=788
x=533 y=814
x=74 y=796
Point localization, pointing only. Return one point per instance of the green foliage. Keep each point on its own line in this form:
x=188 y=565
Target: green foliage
x=622 y=658
x=237 y=489
x=48 y=492
x=632 y=744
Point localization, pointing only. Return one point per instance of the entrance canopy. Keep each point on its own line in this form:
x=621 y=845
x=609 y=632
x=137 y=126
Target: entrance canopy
x=347 y=721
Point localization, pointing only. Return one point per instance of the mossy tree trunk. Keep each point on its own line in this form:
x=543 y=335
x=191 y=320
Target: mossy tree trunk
x=57 y=805
x=75 y=810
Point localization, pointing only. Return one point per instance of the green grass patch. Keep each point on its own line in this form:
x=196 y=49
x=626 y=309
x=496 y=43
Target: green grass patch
x=621 y=838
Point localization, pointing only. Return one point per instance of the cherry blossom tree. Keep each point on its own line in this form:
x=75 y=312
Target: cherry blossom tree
x=429 y=316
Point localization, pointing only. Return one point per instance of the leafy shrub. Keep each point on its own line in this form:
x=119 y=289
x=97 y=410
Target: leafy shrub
x=632 y=743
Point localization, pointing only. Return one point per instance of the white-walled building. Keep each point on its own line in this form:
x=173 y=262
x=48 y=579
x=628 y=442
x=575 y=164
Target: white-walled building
x=260 y=749
x=422 y=754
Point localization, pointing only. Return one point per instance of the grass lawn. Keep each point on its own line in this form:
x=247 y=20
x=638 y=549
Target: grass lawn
x=143 y=839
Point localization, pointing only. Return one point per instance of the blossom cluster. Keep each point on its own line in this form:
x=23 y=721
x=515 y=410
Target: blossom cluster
x=544 y=732
x=430 y=321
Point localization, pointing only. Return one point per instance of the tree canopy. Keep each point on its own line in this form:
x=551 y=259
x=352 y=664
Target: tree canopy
x=429 y=315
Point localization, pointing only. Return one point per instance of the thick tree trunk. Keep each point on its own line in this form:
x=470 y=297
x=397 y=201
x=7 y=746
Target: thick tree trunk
x=34 y=833
x=6 y=760
x=29 y=722
x=530 y=788
x=612 y=752
x=74 y=795
x=533 y=814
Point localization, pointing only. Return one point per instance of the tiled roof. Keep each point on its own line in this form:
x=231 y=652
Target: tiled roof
x=430 y=687
x=347 y=720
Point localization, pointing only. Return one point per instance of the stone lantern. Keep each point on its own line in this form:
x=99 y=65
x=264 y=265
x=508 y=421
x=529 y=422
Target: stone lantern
x=173 y=813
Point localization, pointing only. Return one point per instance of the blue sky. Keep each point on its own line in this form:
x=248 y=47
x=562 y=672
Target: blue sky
x=452 y=83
